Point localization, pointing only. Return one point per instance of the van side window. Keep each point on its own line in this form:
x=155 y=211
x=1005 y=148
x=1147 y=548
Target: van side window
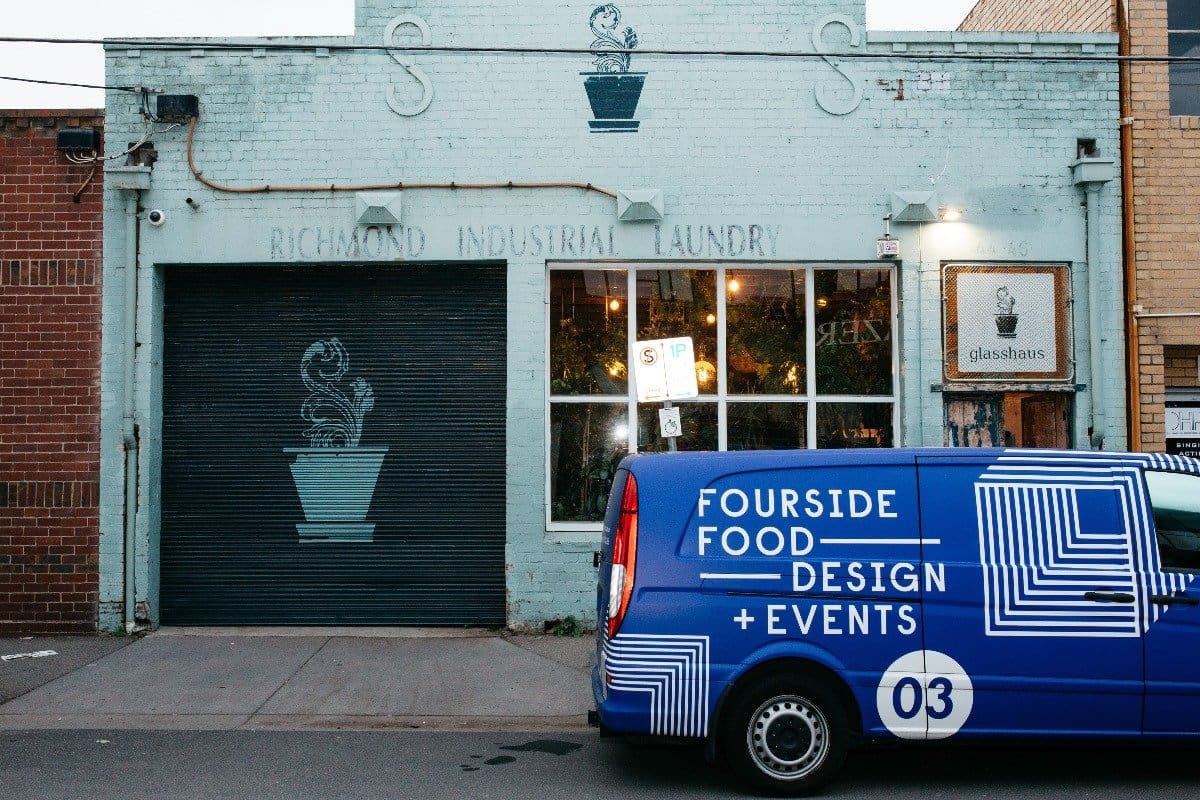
x=1175 y=500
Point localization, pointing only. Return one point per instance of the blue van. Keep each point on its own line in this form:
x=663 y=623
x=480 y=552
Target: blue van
x=780 y=605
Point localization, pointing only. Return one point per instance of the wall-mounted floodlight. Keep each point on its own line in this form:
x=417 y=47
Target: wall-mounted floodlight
x=950 y=214
x=377 y=208
x=640 y=205
x=913 y=207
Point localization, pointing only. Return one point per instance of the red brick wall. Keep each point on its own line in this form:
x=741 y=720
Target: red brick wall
x=50 y=271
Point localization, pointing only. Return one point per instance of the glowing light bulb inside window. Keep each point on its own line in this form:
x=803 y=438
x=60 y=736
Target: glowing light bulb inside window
x=621 y=433
x=734 y=285
x=614 y=305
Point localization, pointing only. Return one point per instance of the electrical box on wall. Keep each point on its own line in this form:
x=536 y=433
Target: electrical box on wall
x=177 y=107
x=78 y=140
x=887 y=247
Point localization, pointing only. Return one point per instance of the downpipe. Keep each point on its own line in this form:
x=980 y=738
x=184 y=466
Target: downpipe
x=129 y=433
x=1099 y=429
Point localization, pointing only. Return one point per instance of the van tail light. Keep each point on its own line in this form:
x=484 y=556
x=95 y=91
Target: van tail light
x=624 y=563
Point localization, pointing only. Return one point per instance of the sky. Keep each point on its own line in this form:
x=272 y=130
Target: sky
x=117 y=18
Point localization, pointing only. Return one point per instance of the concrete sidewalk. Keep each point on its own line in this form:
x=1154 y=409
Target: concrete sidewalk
x=316 y=678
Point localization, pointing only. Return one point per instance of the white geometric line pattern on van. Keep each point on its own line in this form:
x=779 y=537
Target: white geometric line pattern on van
x=672 y=670
x=1038 y=563
x=1037 y=560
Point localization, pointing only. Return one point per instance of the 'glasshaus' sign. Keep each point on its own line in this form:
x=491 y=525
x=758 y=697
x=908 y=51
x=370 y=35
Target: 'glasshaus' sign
x=1007 y=323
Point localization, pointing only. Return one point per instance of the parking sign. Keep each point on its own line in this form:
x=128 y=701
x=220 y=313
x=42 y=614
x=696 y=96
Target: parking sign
x=665 y=369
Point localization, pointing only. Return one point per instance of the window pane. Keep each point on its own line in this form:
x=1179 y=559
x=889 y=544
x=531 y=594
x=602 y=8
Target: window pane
x=681 y=302
x=854 y=331
x=1185 y=78
x=1183 y=15
x=1176 y=503
x=841 y=425
x=587 y=332
x=767 y=426
x=765 y=331
x=587 y=441
x=699 y=427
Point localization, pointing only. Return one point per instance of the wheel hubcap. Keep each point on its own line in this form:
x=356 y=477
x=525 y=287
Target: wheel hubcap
x=788 y=737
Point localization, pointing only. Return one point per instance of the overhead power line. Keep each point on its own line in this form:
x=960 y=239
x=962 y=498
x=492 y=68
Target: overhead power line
x=68 y=83
x=218 y=45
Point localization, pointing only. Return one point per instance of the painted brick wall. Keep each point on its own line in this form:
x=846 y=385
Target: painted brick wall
x=729 y=139
x=49 y=377
x=1093 y=16
x=1166 y=170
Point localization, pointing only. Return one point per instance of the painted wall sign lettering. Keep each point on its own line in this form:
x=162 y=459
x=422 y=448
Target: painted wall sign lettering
x=374 y=241
x=500 y=241
x=612 y=90
x=717 y=241
x=830 y=103
x=408 y=109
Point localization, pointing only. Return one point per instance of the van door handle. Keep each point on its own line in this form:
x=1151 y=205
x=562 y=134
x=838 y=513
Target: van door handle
x=1173 y=600
x=1109 y=597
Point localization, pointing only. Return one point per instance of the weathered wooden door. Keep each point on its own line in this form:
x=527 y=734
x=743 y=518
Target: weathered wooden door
x=1044 y=421
x=974 y=421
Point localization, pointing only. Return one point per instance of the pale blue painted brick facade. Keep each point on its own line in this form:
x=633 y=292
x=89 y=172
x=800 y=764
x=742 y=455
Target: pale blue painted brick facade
x=731 y=140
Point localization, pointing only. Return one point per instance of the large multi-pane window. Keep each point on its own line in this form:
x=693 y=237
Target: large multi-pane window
x=787 y=357
x=1183 y=39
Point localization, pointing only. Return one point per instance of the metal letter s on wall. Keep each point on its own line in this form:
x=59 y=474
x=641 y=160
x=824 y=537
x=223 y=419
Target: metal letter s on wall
x=389 y=40
x=829 y=104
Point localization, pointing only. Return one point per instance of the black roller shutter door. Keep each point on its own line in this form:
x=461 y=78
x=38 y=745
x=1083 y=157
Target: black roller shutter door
x=400 y=524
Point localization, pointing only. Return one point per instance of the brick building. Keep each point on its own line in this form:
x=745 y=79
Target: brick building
x=386 y=302
x=50 y=267
x=1162 y=166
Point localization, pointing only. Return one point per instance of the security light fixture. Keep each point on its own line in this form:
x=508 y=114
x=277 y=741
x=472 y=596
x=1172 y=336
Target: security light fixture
x=950 y=214
x=913 y=207
x=377 y=208
x=640 y=205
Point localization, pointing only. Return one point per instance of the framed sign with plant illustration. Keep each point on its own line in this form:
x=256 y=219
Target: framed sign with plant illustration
x=1007 y=322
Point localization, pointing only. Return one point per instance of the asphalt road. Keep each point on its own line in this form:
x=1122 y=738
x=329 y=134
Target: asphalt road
x=424 y=764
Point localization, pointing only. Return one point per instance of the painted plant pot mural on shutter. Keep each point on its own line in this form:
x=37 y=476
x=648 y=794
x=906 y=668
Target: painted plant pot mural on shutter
x=334 y=476
x=612 y=90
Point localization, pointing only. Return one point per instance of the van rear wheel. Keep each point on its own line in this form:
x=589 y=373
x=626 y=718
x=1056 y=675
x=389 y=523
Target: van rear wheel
x=785 y=735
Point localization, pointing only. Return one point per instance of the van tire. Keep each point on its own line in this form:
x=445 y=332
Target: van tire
x=786 y=735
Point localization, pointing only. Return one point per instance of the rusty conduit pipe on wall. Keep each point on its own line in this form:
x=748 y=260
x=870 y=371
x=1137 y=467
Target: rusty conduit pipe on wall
x=1133 y=405
x=369 y=187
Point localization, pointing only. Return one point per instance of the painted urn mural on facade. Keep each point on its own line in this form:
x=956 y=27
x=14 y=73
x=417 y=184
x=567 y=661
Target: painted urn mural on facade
x=613 y=91
x=334 y=476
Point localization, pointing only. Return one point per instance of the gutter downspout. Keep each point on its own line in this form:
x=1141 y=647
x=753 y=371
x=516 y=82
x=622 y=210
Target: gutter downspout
x=128 y=426
x=132 y=181
x=1092 y=173
x=1099 y=420
x=1129 y=244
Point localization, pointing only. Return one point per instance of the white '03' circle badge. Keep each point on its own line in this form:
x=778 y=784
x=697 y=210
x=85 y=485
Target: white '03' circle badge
x=924 y=695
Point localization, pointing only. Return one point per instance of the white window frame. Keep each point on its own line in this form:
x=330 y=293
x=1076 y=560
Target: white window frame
x=574 y=531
